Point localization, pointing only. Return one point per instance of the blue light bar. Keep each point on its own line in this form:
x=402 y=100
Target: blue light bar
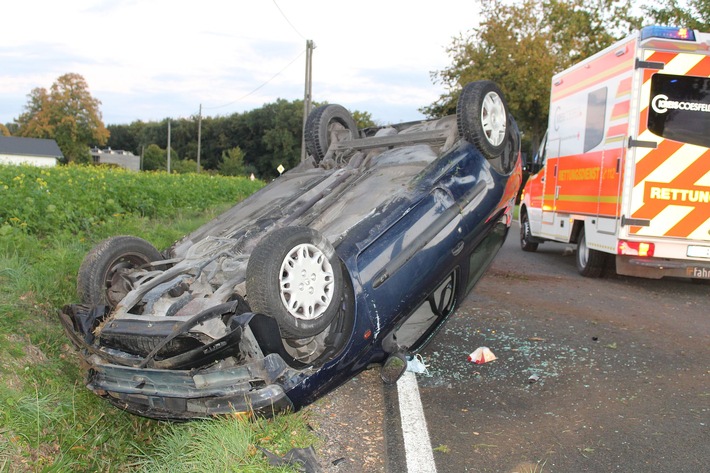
x=668 y=32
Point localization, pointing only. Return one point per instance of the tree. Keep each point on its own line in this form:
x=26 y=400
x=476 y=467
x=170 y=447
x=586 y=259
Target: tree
x=521 y=45
x=232 y=162
x=363 y=119
x=67 y=113
x=154 y=158
x=4 y=131
x=695 y=14
x=182 y=166
x=268 y=136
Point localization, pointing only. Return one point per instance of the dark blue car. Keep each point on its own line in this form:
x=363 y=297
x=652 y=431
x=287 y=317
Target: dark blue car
x=355 y=257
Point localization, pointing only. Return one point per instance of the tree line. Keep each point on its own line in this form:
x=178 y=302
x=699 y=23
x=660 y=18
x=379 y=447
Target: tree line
x=257 y=141
x=519 y=45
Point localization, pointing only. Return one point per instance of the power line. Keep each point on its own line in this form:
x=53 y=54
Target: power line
x=288 y=21
x=275 y=75
x=259 y=87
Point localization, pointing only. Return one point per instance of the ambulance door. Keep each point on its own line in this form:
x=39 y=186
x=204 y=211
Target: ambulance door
x=550 y=192
x=671 y=189
x=534 y=188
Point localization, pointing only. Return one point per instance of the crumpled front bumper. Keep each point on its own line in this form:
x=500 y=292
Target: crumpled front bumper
x=257 y=386
x=179 y=394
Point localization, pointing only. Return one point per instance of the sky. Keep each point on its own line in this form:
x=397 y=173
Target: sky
x=152 y=59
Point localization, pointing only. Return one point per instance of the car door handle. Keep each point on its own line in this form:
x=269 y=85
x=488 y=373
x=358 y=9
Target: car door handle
x=458 y=248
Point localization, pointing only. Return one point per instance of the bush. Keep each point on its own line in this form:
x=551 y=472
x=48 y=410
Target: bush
x=44 y=201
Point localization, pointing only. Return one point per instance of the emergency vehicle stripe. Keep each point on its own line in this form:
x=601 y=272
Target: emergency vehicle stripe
x=643 y=120
x=683 y=64
x=671 y=181
x=609 y=65
x=624 y=88
x=701 y=69
x=659 y=56
x=655 y=158
x=698 y=216
x=620 y=110
x=687 y=223
x=617 y=130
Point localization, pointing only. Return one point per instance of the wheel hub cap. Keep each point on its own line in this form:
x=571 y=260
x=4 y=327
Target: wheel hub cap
x=493 y=118
x=306 y=282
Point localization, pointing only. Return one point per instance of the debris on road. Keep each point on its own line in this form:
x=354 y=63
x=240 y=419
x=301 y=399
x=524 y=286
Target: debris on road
x=415 y=364
x=481 y=355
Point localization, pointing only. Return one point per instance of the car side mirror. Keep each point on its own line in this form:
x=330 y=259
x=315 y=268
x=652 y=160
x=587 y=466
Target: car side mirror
x=393 y=368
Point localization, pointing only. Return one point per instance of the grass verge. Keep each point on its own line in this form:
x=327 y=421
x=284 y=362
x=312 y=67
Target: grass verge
x=50 y=422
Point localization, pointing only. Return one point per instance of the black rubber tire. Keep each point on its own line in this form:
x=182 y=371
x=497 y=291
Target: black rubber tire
x=482 y=116
x=511 y=151
x=99 y=281
x=319 y=125
x=266 y=274
x=590 y=263
x=525 y=236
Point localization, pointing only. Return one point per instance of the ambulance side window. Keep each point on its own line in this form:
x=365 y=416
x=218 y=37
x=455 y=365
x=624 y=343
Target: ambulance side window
x=680 y=108
x=596 y=113
x=542 y=153
x=538 y=161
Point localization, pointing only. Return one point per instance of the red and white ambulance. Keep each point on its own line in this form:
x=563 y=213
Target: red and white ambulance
x=624 y=168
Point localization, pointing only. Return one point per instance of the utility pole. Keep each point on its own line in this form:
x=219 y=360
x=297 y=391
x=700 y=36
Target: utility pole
x=168 y=146
x=199 y=137
x=307 y=97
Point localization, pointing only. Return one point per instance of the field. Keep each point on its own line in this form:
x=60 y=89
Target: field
x=49 y=219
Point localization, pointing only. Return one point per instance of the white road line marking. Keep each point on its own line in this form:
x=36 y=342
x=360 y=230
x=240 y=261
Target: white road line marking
x=417 y=446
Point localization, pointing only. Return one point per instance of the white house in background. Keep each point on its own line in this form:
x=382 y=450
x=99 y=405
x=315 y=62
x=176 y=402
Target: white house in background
x=34 y=151
x=125 y=159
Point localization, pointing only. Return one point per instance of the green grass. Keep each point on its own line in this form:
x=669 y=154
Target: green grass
x=49 y=421
x=223 y=445
x=42 y=201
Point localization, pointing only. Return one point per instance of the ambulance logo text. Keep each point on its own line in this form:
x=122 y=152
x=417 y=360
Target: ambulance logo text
x=659 y=191
x=661 y=104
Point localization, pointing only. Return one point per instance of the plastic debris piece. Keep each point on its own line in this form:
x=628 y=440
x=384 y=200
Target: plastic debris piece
x=534 y=378
x=481 y=355
x=304 y=459
x=415 y=364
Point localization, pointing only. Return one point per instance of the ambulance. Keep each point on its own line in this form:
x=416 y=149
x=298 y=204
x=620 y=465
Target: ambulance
x=624 y=169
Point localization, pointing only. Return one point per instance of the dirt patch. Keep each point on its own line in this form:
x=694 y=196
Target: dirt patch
x=349 y=421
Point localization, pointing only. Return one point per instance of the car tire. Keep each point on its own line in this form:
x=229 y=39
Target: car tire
x=320 y=125
x=295 y=276
x=590 y=263
x=100 y=280
x=482 y=117
x=525 y=235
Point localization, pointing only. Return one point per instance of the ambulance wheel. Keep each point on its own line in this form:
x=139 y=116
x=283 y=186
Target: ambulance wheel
x=590 y=263
x=525 y=236
x=482 y=117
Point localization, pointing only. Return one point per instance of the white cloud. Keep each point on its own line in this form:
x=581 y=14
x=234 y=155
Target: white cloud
x=151 y=59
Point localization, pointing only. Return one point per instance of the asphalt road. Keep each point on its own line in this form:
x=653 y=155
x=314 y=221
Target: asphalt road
x=592 y=375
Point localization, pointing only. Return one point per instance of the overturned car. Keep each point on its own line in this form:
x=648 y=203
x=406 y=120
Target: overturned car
x=353 y=258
